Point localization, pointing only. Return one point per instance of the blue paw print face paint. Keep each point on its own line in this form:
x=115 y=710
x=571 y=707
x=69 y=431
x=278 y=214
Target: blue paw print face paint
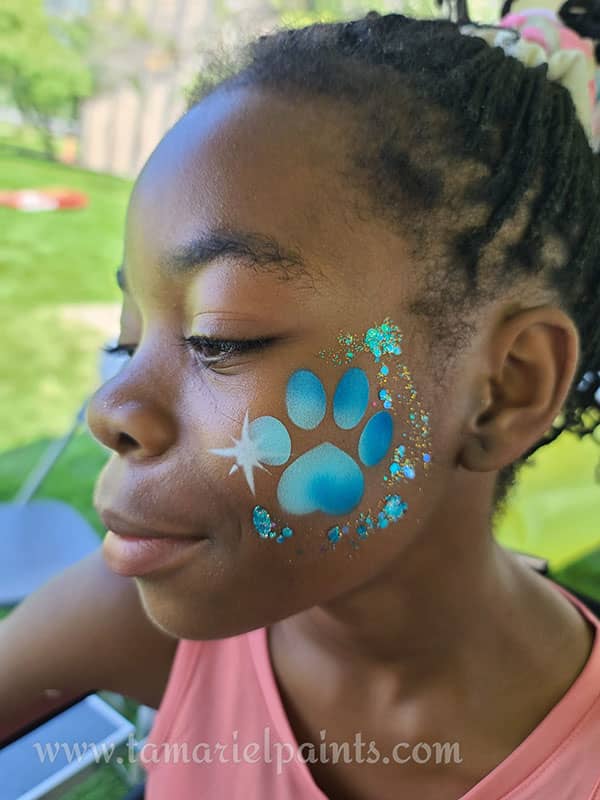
x=327 y=478
x=391 y=433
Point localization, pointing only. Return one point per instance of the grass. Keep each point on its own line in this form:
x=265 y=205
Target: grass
x=48 y=262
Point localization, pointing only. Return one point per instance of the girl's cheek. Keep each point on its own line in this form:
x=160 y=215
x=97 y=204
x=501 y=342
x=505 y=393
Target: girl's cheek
x=350 y=442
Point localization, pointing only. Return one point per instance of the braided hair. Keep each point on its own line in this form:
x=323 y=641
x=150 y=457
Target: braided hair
x=479 y=160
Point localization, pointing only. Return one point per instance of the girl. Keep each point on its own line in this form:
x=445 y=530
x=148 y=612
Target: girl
x=360 y=284
x=376 y=243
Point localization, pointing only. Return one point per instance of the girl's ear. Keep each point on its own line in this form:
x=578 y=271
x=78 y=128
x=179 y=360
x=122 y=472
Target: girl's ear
x=524 y=373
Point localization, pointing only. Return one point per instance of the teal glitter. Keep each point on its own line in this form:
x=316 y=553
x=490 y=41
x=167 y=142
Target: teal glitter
x=334 y=534
x=394 y=507
x=412 y=416
x=394 y=468
x=262 y=521
x=362 y=531
x=349 y=355
x=386 y=397
x=400 y=451
x=384 y=339
x=382 y=520
x=266 y=528
x=384 y=370
x=368 y=522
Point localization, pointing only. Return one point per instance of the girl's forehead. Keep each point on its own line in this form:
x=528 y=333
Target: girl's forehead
x=236 y=161
x=248 y=171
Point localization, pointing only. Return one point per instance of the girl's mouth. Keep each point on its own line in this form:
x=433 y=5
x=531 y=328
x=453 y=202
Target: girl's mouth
x=134 y=556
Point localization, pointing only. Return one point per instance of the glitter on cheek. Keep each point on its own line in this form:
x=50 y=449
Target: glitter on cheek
x=266 y=528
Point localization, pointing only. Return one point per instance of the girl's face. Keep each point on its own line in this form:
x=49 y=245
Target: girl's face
x=301 y=444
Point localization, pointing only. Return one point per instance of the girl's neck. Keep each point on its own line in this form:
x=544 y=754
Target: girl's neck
x=453 y=601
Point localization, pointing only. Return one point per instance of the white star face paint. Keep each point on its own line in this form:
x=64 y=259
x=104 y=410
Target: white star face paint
x=245 y=452
x=263 y=441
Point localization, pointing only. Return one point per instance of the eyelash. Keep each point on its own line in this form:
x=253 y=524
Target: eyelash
x=226 y=347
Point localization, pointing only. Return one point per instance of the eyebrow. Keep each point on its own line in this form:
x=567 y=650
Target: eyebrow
x=256 y=250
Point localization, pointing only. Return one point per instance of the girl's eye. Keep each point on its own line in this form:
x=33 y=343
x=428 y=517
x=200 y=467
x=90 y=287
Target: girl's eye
x=217 y=351
x=209 y=350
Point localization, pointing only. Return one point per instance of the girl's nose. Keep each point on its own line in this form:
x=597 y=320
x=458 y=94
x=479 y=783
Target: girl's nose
x=138 y=427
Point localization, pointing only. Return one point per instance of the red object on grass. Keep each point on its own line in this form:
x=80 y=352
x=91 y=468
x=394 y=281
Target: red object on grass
x=43 y=199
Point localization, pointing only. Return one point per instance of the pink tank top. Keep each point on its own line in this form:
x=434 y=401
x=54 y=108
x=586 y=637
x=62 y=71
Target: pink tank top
x=222 y=732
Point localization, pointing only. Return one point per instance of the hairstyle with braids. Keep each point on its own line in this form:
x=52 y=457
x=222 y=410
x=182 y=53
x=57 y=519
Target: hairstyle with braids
x=479 y=160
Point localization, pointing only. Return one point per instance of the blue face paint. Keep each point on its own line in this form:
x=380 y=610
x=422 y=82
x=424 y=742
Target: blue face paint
x=305 y=399
x=376 y=438
x=323 y=479
x=351 y=399
x=327 y=478
x=273 y=443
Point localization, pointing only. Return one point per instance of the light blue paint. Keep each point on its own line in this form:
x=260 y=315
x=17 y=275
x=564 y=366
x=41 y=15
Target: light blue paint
x=323 y=479
x=376 y=438
x=305 y=399
x=272 y=441
x=351 y=398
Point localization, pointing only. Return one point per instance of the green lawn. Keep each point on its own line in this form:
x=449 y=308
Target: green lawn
x=49 y=262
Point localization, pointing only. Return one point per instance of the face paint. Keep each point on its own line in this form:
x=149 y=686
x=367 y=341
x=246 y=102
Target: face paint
x=264 y=440
x=305 y=399
x=350 y=399
x=266 y=528
x=327 y=478
x=323 y=479
x=383 y=343
x=246 y=453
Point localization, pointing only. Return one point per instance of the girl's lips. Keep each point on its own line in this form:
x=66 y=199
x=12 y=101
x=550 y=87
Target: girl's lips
x=134 y=556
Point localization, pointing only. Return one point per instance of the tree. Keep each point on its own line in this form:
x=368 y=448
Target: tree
x=41 y=65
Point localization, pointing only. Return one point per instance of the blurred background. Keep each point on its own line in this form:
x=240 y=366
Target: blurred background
x=87 y=89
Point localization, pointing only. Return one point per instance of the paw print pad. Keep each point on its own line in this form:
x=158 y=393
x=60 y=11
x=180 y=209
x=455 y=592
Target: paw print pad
x=325 y=478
